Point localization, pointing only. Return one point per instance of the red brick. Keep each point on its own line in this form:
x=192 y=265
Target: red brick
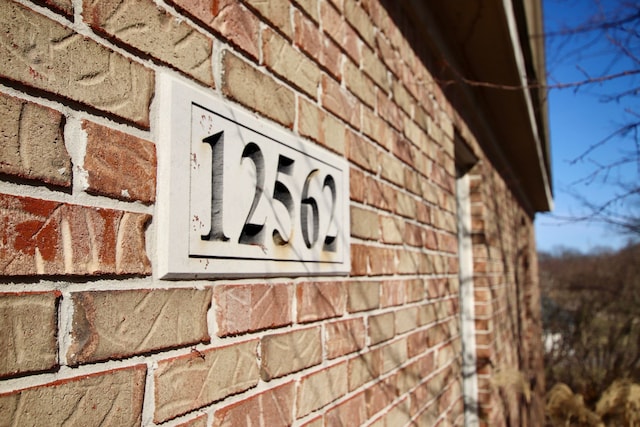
x=41 y=53
x=232 y=20
x=381 y=261
x=41 y=237
x=270 y=408
x=344 y=337
x=339 y=30
x=339 y=102
x=352 y=412
x=189 y=382
x=32 y=142
x=28 y=332
x=316 y=45
x=320 y=300
x=356 y=185
x=249 y=308
x=119 y=165
x=290 y=352
x=392 y=293
x=389 y=111
x=252 y=88
x=378 y=397
x=359 y=260
x=117 y=324
x=200 y=421
x=114 y=396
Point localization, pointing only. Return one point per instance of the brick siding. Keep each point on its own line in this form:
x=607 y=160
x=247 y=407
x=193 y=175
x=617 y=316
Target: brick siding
x=91 y=336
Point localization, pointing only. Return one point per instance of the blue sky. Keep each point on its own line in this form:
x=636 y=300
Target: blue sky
x=579 y=119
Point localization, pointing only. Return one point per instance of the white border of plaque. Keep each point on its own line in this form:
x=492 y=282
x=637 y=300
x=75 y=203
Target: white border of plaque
x=241 y=197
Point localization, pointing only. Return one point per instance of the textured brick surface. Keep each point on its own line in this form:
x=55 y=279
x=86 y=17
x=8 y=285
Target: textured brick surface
x=62 y=6
x=32 y=142
x=321 y=126
x=41 y=237
x=247 y=308
x=320 y=300
x=116 y=324
x=111 y=398
x=352 y=412
x=253 y=89
x=288 y=63
x=28 y=331
x=270 y=408
x=381 y=327
x=363 y=368
x=150 y=30
x=43 y=54
x=237 y=24
x=344 y=337
x=339 y=102
x=290 y=352
x=119 y=165
x=363 y=296
x=185 y=383
x=276 y=12
x=320 y=388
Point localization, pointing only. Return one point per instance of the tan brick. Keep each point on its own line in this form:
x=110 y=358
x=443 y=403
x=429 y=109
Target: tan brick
x=388 y=54
x=381 y=261
x=360 y=21
x=405 y=205
x=321 y=388
x=391 y=169
x=356 y=185
x=28 y=332
x=380 y=194
x=359 y=84
x=32 y=142
x=275 y=12
x=406 y=320
x=381 y=328
x=290 y=352
x=273 y=407
x=119 y=165
x=374 y=67
x=229 y=18
x=389 y=111
x=392 y=229
x=64 y=7
x=112 y=398
x=321 y=127
x=248 y=308
x=152 y=31
x=363 y=296
x=41 y=53
x=393 y=355
x=320 y=300
x=339 y=102
x=117 y=324
x=280 y=57
x=363 y=368
x=397 y=416
x=315 y=422
x=41 y=237
x=364 y=224
x=310 y=7
x=189 y=382
x=253 y=89
x=350 y=412
x=360 y=152
x=344 y=337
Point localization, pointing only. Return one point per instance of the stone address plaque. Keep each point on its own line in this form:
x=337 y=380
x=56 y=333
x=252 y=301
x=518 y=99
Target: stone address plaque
x=241 y=197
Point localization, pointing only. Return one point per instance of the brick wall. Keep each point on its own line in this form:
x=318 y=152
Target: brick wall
x=91 y=336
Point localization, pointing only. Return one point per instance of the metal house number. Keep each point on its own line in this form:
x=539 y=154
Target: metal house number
x=260 y=201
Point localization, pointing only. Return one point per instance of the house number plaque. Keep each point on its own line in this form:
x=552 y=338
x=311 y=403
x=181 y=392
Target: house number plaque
x=239 y=196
